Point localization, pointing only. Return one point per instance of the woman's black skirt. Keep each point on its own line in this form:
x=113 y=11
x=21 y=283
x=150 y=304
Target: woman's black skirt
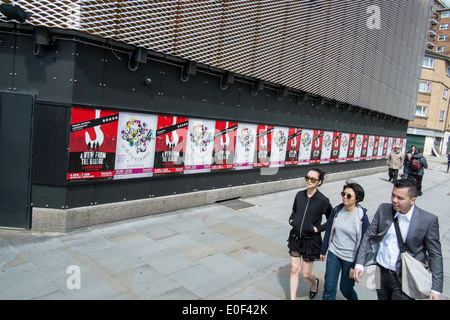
x=307 y=248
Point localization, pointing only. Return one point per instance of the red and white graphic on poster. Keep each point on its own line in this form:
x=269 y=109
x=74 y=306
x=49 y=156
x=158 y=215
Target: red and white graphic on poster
x=335 y=146
x=380 y=147
x=326 y=146
x=316 y=148
x=351 y=146
x=170 y=149
x=376 y=146
x=385 y=147
x=365 y=146
x=370 y=147
x=92 y=144
x=263 y=146
x=293 y=146
x=224 y=145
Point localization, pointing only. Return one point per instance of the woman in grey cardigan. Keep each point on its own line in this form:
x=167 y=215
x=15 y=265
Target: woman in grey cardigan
x=345 y=229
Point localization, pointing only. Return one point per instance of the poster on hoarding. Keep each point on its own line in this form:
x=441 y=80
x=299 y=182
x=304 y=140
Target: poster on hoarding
x=170 y=148
x=293 y=146
x=199 y=146
x=335 y=146
x=376 y=144
x=380 y=147
x=135 y=151
x=245 y=146
x=351 y=147
x=365 y=146
x=327 y=144
x=370 y=147
x=358 y=147
x=316 y=148
x=224 y=145
x=305 y=147
x=263 y=147
x=279 y=145
x=385 y=147
x=345 y=137
x=92 y=144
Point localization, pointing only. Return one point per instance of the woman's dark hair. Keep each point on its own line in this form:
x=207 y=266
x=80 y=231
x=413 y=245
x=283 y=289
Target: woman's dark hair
x=359 y=191
x=320 y=172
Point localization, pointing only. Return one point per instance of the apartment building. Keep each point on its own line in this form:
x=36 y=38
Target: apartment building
x=430 y=128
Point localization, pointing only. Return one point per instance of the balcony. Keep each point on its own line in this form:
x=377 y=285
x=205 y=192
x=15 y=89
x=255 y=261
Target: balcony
x=432 y=34
x=433 y=22
x=430 y=45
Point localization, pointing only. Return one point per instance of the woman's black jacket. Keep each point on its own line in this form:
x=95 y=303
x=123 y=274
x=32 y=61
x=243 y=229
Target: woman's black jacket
x=307 y=214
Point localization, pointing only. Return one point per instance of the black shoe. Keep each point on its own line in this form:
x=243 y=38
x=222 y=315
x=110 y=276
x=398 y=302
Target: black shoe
x=313 y=294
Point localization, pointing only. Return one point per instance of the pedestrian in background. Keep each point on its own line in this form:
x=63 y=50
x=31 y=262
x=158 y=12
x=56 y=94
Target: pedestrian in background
x=420 y=233
x=406 y=165
x=345 y=228
x=448 y=160
x=305 y=240
x=395 y=162
x=416 y=167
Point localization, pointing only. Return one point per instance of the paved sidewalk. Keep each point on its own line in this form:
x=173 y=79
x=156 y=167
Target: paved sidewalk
x=234 y=250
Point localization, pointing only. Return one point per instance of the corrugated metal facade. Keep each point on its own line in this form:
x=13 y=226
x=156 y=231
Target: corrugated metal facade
x=364 y=53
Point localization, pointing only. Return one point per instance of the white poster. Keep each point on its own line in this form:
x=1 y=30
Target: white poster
x=326 y=147
x=199 y=146
x=279 y=144
x=344 y=147
x=358 y=147
x=135 y=150
x=305 y=147
x=245 y=146
x=381 y=144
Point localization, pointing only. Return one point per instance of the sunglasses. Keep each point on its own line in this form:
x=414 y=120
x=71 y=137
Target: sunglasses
x=313 y=180
x=347 y=195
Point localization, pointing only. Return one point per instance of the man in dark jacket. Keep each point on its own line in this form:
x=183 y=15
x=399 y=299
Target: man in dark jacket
x=417 y=175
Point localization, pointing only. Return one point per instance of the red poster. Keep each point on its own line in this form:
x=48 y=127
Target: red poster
x=316 y=146
x=351 y=146
x=263 y=145
x=224 y=145
x=293 y=146
x=385 y=147
x=170 y=148
x=365 y=146
x=92 y=144
x=335 y=146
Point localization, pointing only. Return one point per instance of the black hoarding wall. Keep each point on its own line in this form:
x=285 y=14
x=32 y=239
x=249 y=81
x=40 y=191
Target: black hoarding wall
x=79 y=71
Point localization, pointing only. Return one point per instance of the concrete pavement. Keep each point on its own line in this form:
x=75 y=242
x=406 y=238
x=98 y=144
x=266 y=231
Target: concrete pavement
x=234 y=250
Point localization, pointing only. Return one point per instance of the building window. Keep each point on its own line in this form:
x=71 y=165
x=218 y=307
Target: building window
x=441 y=115
x=445 y=93
x=421 y=111
x=440 y=49
x=442 y=38
x=445 y=14
x=443 y=26
x=428 y=62
x=424 y=87
x=448 y=71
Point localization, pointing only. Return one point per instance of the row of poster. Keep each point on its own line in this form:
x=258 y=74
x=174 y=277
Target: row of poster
x=120 y=145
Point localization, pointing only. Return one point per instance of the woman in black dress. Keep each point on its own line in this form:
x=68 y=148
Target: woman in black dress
x=304 y=239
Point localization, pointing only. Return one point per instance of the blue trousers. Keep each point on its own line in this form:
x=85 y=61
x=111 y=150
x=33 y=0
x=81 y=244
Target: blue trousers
x=334 y=267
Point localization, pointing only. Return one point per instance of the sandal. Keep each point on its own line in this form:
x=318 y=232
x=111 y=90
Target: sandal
x=313 y=294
